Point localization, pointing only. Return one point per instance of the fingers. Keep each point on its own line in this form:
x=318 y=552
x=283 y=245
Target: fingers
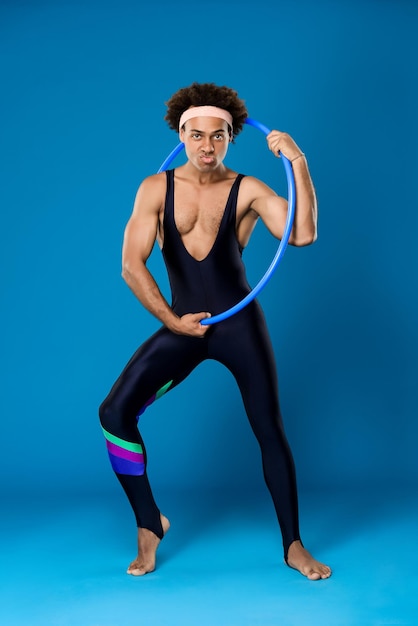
x=203 y=329
x=279 y=142
x=202 y=316
x=190 y=324
x=282 y=143
x=274 y=140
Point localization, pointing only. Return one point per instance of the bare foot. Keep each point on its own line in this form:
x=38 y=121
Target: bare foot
x=148 y=543
x=303 y=562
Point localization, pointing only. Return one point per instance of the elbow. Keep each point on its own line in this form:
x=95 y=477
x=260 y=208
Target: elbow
x=126 y=274
x=132 y=272
x=307 y=240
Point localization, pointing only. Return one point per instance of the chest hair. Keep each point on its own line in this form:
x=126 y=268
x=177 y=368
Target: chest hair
x=200 y=208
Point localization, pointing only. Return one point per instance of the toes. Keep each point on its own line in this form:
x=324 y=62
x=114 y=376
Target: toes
x=317 y=573
x=138 y=571
x=135 y=571
x=324 y=573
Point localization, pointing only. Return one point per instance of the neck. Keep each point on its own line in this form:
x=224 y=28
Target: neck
x=191 y=172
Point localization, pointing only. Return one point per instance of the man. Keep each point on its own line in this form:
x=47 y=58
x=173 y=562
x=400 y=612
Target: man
x=202 y=214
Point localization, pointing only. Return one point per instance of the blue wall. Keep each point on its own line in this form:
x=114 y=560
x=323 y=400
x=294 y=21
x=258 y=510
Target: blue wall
x=83 y=86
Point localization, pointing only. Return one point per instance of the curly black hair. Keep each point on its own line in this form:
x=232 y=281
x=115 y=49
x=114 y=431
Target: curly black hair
x=203 y=94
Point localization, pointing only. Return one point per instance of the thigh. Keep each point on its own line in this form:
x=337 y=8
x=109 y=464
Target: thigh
x=164 y=360
x=244 y=347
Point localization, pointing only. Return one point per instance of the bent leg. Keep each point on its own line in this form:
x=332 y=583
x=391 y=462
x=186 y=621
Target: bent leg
x=159 y=365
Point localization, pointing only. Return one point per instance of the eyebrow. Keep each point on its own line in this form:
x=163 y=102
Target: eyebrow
x=201 y=132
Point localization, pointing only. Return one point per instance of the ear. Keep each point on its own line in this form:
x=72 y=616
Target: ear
x=181 y=135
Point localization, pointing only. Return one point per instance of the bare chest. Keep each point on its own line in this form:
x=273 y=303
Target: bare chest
x=200 y=210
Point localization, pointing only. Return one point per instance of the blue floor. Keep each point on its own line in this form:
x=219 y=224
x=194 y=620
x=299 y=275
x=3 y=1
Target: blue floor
x=64 y=561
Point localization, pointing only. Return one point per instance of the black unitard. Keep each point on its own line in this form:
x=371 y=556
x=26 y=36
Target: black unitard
x=240 y=342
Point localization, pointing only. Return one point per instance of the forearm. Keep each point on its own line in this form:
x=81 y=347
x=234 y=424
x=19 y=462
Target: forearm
x=146 y=290
x=144 y=287
x=304 y=230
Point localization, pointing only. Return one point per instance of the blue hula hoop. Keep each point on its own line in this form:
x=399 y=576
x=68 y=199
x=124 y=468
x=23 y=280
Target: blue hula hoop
x=291 y=203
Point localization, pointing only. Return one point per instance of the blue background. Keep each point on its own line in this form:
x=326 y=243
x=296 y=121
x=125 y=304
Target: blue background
x=83 y=86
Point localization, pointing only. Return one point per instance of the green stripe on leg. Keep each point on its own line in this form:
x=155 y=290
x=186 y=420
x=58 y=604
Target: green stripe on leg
x=127 y=445
x=163 y=390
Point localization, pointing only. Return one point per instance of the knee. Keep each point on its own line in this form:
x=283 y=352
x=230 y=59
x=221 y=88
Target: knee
x=107 y=415
x=271 y=435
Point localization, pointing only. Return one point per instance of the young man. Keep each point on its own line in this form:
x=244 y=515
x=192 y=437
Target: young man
x=202 y=214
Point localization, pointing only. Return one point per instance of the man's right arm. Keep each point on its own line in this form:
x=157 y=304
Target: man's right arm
x=139 y=239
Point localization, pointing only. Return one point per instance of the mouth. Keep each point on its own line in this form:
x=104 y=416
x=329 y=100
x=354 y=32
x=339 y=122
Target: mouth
x=207 y=160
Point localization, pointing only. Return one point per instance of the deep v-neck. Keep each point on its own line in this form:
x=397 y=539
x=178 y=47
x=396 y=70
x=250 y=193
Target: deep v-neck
x=221 y=223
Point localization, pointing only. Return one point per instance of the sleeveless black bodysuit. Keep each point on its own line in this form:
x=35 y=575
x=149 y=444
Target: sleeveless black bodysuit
x=241 y=343
x=218 y=281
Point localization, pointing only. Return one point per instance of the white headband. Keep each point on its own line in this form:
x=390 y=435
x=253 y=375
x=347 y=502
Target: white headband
x=205 y=111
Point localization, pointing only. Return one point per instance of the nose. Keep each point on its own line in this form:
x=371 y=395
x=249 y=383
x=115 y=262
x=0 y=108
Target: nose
x=208 y=145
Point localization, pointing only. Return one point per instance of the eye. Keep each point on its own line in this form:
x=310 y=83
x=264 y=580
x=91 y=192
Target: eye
x=196 y=135
x=219 y=137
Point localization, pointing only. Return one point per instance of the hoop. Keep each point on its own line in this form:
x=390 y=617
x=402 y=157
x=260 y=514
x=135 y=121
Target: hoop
x=291 y=201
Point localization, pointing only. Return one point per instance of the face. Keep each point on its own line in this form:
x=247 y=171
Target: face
x=206 y=141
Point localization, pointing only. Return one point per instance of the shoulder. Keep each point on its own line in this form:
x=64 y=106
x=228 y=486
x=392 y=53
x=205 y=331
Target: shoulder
x=153 y=186
x=153 y=183
x=251 y=182
x=150 y=195
x=252 y=188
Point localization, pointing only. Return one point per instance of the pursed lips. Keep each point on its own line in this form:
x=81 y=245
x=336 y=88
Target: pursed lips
x=207 y=158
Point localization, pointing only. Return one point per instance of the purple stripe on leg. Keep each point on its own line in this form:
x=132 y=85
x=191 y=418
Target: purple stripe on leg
x=136 y=457
x=124 y=466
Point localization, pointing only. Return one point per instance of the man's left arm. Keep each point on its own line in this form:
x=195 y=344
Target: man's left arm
x=273 y=209
x=305 y=224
